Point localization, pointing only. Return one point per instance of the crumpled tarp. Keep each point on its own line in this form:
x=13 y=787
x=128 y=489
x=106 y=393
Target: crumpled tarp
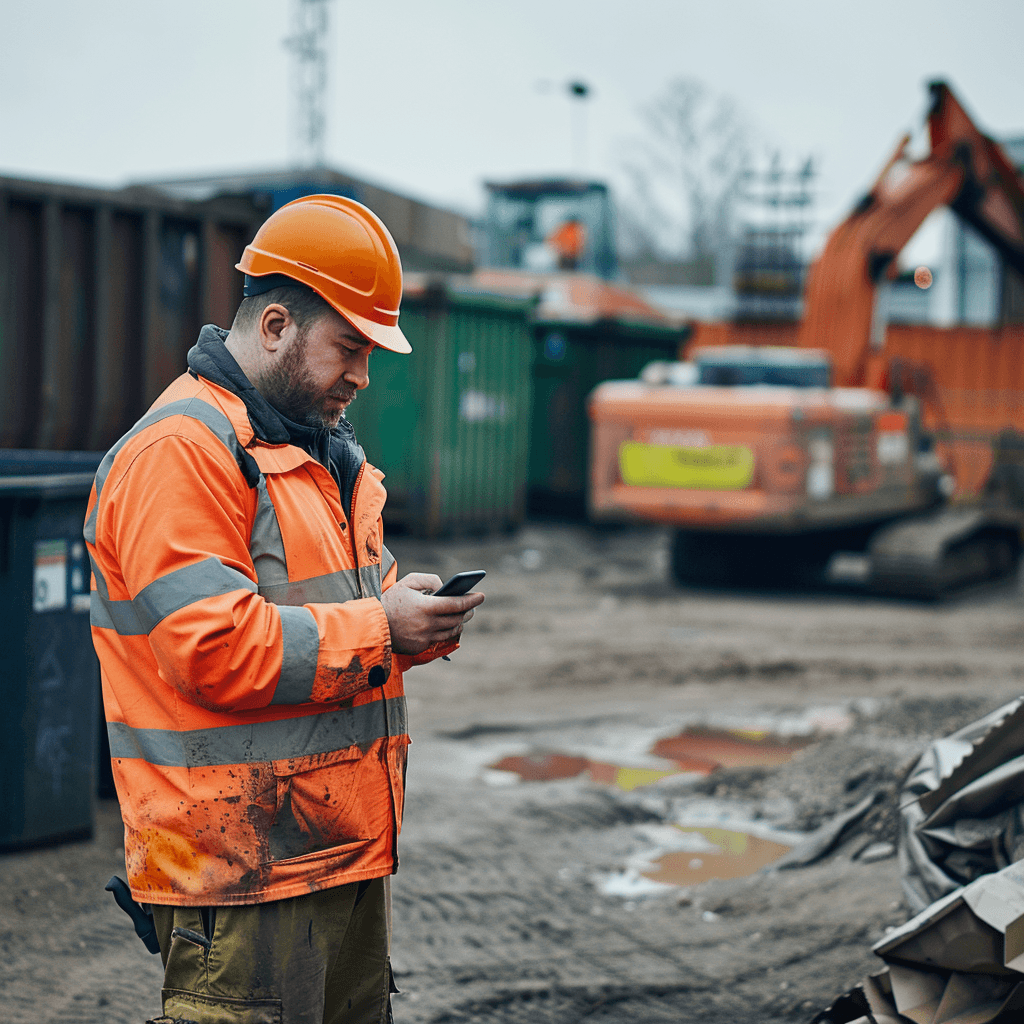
x=962 y=808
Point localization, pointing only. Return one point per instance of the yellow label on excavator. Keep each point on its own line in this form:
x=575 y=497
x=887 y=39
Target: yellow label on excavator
x=714 y=468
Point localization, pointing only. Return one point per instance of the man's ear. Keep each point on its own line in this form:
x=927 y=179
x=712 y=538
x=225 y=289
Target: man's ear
x=274 y=322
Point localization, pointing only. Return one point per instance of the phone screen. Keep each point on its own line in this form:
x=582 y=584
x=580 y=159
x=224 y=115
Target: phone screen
x=461 y=583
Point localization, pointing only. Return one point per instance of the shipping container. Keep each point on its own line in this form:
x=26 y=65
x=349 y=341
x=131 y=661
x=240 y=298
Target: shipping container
x=974 y=388
x=569 y=362
x=102 y=293
x=585 y=331
x=429 y=238
x=449 y=424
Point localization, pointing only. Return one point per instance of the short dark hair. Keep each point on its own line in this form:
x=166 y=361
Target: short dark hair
x=304 y=305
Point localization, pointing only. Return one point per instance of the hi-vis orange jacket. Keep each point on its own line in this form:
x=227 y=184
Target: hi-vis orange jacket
x=256 y=714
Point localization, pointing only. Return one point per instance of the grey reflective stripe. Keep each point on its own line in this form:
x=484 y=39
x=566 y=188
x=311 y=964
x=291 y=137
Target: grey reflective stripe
x=300 y=642
x=98 y=614
x=169 y=593
x=262 y=741
x=370 y=577
x=331 y=588
x=101 y=583
x=194 y=408
x=266 y=545
x=386 y=561
x=100 y=608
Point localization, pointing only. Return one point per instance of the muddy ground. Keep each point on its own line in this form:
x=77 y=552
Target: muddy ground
x=527 y=901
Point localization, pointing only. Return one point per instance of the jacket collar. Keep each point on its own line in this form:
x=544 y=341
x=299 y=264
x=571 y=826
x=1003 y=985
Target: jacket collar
x=209 y=358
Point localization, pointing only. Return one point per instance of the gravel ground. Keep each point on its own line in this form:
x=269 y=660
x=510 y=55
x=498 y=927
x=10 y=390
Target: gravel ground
x=502 y=910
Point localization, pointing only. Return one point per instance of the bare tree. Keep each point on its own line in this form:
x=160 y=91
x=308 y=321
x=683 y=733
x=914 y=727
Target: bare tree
x=685 y=173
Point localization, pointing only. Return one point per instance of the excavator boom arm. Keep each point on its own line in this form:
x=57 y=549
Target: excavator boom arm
x=966 y=171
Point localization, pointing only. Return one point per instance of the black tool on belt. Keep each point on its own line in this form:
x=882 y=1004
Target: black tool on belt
x=143 y=921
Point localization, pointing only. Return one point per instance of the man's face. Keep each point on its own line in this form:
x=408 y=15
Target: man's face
x=318 y=371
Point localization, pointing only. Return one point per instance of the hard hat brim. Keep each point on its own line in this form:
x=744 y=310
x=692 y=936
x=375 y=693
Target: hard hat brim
x=382 y=335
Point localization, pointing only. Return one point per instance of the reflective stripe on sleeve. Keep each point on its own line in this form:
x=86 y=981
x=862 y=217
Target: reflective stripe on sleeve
x=331 y=588
x=261 y=741
x=169 y=593
x=370 y=577
x=386 y=561
x=300 y=642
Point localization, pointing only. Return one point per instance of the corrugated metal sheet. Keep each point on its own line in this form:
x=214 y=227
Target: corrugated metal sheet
x=449 y=424
x=978 y=378
x=102 y=293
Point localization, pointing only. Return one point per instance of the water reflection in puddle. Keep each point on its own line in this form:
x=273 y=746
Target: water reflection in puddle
x=700 y=752
x=542 y=766
x=725 y=853
x=735 y=748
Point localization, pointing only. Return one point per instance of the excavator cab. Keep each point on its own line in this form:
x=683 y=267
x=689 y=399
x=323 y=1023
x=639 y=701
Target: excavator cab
x=763 y=366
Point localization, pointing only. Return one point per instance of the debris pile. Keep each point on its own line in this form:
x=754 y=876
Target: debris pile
x=961 y=820
x=962 y=811
x=959 y=960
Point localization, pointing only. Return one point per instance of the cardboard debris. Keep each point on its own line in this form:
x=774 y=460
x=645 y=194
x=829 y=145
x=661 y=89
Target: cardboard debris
x=962 y=813
x=902 y=995
x=960 y=961
x=979 y=928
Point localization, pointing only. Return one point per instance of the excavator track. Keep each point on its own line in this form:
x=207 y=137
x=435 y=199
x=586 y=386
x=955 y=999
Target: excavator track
x=931 y=555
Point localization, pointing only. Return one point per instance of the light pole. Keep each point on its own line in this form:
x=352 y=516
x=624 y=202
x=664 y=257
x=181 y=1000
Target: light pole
x=578 y=94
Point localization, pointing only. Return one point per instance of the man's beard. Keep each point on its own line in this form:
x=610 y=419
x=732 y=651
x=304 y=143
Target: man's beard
x=289 y=387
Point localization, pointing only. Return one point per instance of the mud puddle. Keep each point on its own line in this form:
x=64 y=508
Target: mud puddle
x=728 y=854
x=697 y=752
x=547 y=766
x=684 y=854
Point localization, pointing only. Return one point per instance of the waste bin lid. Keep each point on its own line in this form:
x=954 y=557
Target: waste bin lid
x=28 y=473
x=57 y=485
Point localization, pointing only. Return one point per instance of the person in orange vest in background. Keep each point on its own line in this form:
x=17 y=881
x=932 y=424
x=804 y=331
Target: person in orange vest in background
x=252 y=633
x=568 y=240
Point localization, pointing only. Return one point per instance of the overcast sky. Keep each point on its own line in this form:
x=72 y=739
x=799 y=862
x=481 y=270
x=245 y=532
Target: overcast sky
x=434 y=96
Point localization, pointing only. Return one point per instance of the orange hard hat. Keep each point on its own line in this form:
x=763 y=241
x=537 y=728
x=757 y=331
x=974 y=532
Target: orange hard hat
x=342 y=251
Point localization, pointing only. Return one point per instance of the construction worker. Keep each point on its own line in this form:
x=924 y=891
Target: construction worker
x=568 y=240
x=252 y=633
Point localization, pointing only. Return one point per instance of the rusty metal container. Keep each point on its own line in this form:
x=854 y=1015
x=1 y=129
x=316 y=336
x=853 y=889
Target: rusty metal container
x=102 y=292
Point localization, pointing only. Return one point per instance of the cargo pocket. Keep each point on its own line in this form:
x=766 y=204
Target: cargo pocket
x=180 y=1004
x=316 y=798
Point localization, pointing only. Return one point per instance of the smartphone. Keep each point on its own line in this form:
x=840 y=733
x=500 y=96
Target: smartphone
x=461 y=583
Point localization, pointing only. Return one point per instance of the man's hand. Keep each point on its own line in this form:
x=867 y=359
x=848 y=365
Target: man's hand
x=417 y=619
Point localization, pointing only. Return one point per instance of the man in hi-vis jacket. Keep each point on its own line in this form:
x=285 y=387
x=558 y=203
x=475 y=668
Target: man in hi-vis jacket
x=252 y=633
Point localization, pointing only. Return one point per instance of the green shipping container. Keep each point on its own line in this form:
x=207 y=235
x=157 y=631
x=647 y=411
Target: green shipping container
x=449 y=424
x=570 y=360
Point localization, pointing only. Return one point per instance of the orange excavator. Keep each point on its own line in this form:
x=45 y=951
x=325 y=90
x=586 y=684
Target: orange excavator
x=901 y=446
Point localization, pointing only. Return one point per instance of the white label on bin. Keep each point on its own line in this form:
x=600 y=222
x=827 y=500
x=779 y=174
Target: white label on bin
x=50 y=579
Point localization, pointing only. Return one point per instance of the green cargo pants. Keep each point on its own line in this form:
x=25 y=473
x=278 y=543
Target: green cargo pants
x=320 y=958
